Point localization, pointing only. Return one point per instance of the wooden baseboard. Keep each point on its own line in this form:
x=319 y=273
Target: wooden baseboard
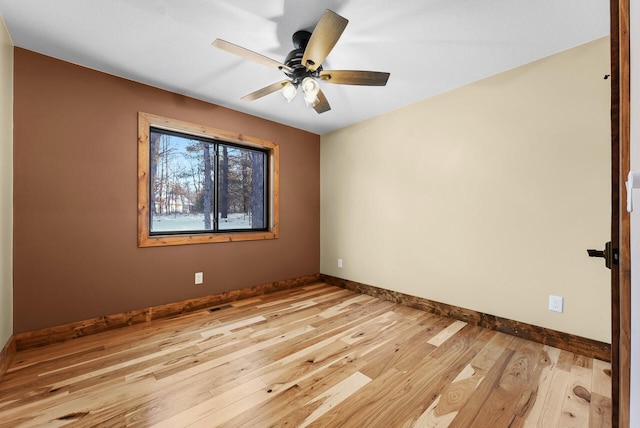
x=46 y=336
x=579 y=345
x=6 y=356
x=568 y=342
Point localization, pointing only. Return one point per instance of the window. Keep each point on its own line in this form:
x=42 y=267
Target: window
x=198 y=184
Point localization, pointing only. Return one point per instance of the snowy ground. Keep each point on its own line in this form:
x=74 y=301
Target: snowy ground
x=163 y=223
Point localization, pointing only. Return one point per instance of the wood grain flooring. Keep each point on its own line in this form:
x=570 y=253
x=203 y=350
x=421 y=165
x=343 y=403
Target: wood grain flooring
x=316 y=356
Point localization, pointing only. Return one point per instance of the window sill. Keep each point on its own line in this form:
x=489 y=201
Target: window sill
x=165 y=240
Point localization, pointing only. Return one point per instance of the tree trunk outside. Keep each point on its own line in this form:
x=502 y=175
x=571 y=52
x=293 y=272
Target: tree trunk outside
x=224 y=183
x=207 y=187
x=257 y=193
x=153 y=166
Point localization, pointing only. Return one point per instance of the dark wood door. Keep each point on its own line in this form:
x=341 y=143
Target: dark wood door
x=620 y=224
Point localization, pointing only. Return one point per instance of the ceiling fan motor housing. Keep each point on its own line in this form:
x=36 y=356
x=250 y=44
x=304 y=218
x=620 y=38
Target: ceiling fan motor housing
x=294 y=59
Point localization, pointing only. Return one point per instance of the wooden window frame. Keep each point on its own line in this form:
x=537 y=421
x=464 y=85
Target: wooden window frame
x=145 y=122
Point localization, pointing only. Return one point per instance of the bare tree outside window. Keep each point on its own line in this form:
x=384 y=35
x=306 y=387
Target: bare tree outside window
x=238 y=174
x=257 y=189
x=193 y=179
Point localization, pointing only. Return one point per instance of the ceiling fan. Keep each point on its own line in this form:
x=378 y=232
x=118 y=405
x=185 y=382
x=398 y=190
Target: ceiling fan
x=303 y=65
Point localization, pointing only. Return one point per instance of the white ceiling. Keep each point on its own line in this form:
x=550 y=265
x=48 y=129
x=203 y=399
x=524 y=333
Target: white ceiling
x=428 y=46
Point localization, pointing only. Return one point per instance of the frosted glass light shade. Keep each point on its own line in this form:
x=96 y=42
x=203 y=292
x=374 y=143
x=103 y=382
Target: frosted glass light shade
x=310 y=86
x=289 y=91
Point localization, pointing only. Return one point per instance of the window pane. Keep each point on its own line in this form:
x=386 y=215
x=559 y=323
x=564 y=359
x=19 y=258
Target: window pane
x=242 y=202
x=182 y=183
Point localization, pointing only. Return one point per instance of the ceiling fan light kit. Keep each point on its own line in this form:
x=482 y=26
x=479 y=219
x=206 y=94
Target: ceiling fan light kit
x=289 y=91
x=311 y=100
x=311 y=89
x=303 y=65
x=310 y=86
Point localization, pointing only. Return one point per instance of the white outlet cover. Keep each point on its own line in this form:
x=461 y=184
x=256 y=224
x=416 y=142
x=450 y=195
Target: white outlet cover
x=556 y=303
x=199 y=278
x=340 y=263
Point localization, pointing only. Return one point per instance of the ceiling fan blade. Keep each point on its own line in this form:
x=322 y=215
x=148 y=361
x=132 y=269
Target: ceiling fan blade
x=323 y=104
x=250 y=55
x=323 y=39
x=355 y=77
x=264 y=91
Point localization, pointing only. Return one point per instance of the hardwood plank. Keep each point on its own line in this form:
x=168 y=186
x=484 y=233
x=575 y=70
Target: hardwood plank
x=407 y=350
x=447 y=406
x=446 y=334
x=601 y=383
x=218 y=407
x=552 y=409
x=285 y=408
x=577 y=402
x=513 y=392
x=422 y=384
x=470 y=410
x=347 y=359
x=281 y=380
x=335 y=395
x=185 y=394
x=315 y=355
x=544 y=384
x=601 y=409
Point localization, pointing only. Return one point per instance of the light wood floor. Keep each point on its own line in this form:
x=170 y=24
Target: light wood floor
x=312 y=356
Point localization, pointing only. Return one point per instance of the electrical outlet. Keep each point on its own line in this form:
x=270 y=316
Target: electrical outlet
x=556 y=303
x=340 y=263
x=199 y=278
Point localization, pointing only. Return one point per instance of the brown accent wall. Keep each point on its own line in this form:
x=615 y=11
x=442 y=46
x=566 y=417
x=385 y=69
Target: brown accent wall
x=75 y=154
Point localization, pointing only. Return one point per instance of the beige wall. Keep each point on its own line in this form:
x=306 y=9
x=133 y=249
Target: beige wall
x=6 y=184
x=485 y=197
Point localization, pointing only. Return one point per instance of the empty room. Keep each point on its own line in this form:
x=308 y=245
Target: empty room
x=316 y=213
